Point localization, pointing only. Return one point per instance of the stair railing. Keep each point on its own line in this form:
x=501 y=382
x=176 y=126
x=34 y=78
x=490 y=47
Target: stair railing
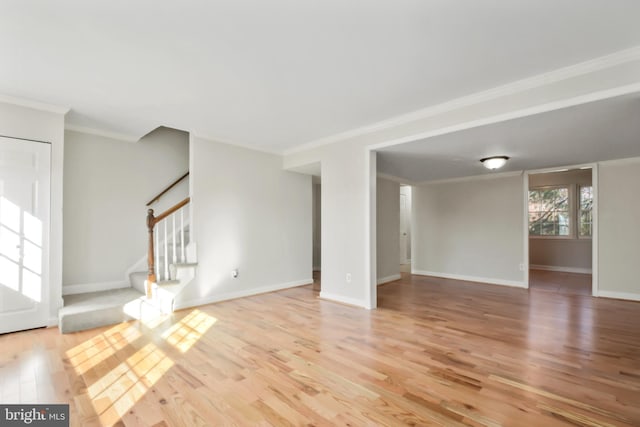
x=166 y=190
x=166 y=231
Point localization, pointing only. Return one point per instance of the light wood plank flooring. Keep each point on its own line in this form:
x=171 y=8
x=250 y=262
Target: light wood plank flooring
x=436 y=352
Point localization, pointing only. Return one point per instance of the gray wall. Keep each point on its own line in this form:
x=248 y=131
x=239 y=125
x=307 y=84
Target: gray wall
x=248 y=214
x=561 y=254
x=574 y=176
x=569 y=254
x=388 y=228
x=470 y=229
x=107 y=183
x=619 y=233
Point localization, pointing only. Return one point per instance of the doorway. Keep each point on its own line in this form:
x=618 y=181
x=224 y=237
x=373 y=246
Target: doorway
x=405 y=229
x=316 y=219
x=561 y=211
x=24 y=234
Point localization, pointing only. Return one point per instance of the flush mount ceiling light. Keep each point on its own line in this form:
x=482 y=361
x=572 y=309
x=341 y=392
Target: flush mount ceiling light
x=494 y=162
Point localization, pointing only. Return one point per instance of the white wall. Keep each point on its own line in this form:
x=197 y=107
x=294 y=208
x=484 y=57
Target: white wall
x=317 y=225
x=470 y=230
x=564 y=254
x=388 y=230
x=250 y=215
x=348 y=222
x=44 y=125
x=107 y=184
x=619 y=228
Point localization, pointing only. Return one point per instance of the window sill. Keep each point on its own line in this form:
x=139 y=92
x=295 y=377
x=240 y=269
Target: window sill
x=560 y=238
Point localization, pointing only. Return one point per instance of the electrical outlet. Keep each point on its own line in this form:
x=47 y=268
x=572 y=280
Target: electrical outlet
x=521 y=267
x=348 y=278
x=234 y=273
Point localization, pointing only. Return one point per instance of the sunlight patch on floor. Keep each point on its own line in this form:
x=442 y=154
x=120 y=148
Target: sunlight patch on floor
x=115 y=392
x=115 y=385
x=94 y=351
x=184 y=334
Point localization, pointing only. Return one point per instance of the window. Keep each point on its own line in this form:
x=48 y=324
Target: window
x=562 y=211
x=549 y=212
x=585 y=211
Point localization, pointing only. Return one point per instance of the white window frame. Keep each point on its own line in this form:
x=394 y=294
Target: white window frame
x=571 y=189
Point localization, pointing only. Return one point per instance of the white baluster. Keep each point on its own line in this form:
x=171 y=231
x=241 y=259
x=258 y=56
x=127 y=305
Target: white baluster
x=173 y=239
x=183 y=258
x=166 y=251
x=156 y=246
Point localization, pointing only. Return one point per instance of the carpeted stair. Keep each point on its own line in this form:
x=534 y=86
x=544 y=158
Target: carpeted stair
x=95 y=309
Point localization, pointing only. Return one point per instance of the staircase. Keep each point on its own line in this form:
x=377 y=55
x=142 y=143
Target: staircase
x=151 y=293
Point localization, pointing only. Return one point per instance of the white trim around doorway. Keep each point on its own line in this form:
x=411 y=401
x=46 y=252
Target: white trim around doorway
x=594 y=237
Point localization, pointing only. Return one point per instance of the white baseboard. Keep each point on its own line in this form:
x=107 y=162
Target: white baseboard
x=240 y=294
x=619 y=295
x=344 y=300
x=491 y=281
x=392 y=278
x=560 y=268
x=94 y=287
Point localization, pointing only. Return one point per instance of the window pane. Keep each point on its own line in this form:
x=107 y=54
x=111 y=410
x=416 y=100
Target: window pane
x=562 y=199
x=548 y=229
x=535 y=229
x=549 y=213
x=586 y=210
x=586 y=197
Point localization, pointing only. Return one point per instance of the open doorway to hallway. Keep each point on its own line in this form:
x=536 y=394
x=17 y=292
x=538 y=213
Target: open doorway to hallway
x=316 y=218
x=405 y=229
x=560 y=223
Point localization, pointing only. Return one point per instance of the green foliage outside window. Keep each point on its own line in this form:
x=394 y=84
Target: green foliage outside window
x=549 y=212
x=586 y=211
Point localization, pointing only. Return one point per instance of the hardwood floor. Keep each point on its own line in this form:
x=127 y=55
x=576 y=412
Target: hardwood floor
x=560 y=282
x=436 y=352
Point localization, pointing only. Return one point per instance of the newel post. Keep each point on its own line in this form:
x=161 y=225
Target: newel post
x=151 y=274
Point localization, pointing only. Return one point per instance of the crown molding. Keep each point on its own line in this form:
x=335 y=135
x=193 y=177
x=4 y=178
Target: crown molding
x=235 y=144
x=579 y=69
x=100 y=132
x=395 y=178
x=35 y=105
x=624 y=161
x=484 y=177
x=560 y=169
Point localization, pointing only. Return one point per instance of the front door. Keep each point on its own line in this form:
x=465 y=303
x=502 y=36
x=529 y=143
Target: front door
x=24 y=234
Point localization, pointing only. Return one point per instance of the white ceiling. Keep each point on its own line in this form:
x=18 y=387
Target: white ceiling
x=602 y=130
x=276 y=74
